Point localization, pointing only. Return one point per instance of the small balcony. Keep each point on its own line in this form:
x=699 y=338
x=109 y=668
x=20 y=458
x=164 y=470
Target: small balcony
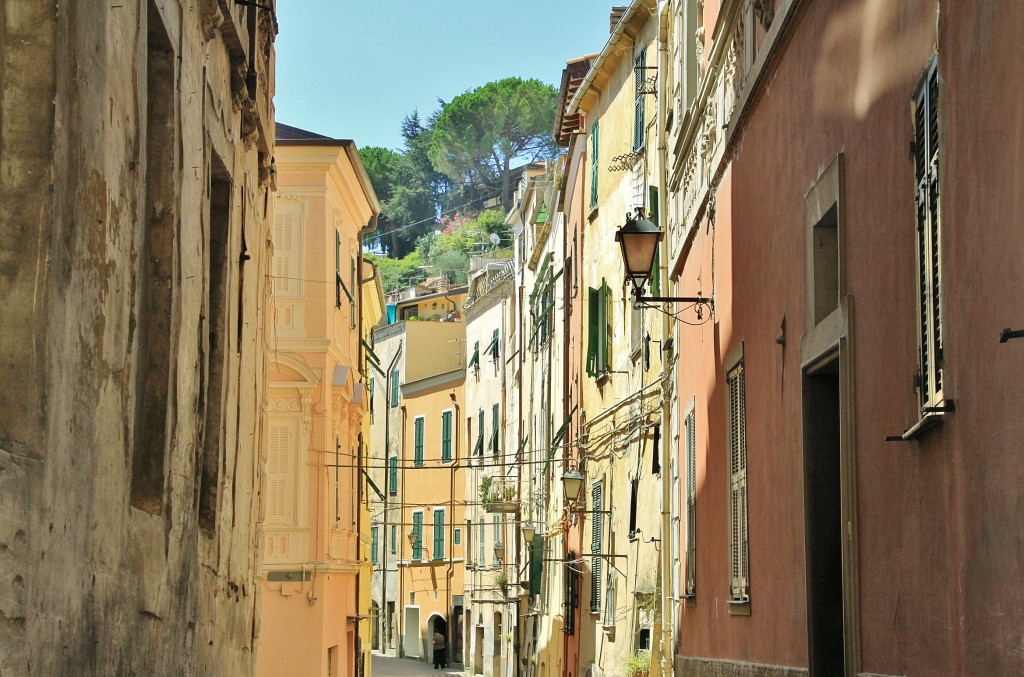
x=498 y=495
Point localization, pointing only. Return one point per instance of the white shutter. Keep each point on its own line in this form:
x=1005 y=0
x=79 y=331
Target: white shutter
x=286 y=265
x=738 y=540
x=279 y=461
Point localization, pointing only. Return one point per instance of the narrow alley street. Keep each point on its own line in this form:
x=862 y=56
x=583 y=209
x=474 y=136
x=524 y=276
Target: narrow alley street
x=389 y=666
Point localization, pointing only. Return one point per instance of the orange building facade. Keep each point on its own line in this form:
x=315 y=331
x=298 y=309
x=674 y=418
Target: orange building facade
x=314 y=619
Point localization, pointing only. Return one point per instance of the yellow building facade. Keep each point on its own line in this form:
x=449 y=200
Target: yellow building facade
x=417 y=461
x=313 y=598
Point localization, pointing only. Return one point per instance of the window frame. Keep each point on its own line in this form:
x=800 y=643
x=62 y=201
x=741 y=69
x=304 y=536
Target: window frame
x=596 y=545
x=438 y=531
x=416 y=553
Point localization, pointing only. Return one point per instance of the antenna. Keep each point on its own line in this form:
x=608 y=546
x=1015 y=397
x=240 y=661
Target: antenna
x=495 y=240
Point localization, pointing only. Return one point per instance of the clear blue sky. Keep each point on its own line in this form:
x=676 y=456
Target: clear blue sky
x=353 y=69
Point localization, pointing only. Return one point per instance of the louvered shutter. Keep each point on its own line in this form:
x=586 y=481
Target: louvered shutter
x=439 y=534
x=739 y=587
x=373 y=545
x=596 y=544
x=446 y=436
x=639 y=72
x=926 y=166
x=393 y=475
x=495 y=428
x=278 y=468
x=593 y=164
x=417 y=528
x=691 y=505
x=286 y=255
x=593 y=329
x=394 y=388
x=536 y=563
x=633 y=497
x=418 y=443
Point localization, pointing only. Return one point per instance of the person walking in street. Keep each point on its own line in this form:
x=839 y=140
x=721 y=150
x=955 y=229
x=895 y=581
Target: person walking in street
x=440 y=661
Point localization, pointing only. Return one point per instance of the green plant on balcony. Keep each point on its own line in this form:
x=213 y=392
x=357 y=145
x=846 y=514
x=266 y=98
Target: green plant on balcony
x=638 y=664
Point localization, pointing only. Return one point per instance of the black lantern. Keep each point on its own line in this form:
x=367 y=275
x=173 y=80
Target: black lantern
x=639 y=240
x=572 y=483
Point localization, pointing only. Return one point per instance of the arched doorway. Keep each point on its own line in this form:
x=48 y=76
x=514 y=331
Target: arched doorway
x=437 y=623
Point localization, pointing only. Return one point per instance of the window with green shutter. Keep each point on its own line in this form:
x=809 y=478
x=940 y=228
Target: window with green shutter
x=418 y=442
x=495 y=428
x=417 y=530
x=446 y=436
x=596 y=545
x=438 y=533
x=478 y=449
x=593 y=164
x=599 y=334
x=474 y=361
x=370 y=397
x=337 y=269
x=639 y=74
x=373 y=545
x=394 y=538
x=497 y=537
x=394 y=388
x=494 y=349
x=393 y=475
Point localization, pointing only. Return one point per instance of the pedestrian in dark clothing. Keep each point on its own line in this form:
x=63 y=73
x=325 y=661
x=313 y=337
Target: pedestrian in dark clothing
x=440 y=660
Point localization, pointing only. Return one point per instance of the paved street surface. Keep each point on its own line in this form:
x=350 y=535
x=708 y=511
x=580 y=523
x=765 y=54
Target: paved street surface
x=386 y=666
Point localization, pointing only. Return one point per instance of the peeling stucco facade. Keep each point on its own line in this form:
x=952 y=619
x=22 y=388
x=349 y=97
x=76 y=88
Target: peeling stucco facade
x=135 y=170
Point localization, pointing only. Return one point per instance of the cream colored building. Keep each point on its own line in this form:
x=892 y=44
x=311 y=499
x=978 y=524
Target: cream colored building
x=310 y=538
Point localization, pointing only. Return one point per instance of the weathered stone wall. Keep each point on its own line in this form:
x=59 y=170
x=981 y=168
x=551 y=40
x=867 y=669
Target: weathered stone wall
x=709 y=667
x=135 y=143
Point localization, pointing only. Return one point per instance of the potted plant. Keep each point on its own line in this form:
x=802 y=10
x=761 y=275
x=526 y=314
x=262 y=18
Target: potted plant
x=639 y=664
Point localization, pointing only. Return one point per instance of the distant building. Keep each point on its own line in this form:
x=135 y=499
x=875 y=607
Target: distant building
x=416 y=461
x=136 y=153
x=310 y=540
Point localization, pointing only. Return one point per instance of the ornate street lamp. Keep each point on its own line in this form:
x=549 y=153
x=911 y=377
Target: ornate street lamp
x=529 y=531
x=499 y=551
x=639 y=240
x=572 y=484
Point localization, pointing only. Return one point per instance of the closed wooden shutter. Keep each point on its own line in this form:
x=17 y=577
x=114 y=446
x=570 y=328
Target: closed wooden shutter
x=417 y=528
x=446 y=436
x=691 y=506
x=393 y=475
x=438 y=534
x=596 y=544
x=286 y=254
x=536 y=563
x=394 y=388
x=739 y=587
x=639 y=73
x=495 y=429
x=418 y=442
x=593 y=329
x=593 y=164
x=279 y=472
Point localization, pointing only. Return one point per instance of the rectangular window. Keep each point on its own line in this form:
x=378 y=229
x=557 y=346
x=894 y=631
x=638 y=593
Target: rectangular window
x=639 y=76
x=219 y=222
x=495 y=347
x=495 y=430
x=394 y=538
x=599 y=330
x=739 y=588
x=457 y=536
x=156 y=263
x=478 y=449
x=417 y=530
x=337 y=269
x=394 y=388
x=691 y=504
x=929 y=250
x=417 y=459
x=370 y=397
x=497 y=537
x=593 y=165
x=596 y=545
x=482 y=561
x=393 y=475
x=373 y=545
x=446 y=436
x=634 y=491
x=438 y=533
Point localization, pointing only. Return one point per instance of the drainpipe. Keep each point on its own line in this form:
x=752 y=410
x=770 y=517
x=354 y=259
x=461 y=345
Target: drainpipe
x=451 y=530
x=667 y=607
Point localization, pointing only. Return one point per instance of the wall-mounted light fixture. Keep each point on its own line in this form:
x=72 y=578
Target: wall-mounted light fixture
x=529 y=531
x=572 y=484
x=499 y=551
x=639 y=240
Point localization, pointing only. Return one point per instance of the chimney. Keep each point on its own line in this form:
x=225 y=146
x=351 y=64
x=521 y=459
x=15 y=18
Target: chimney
x=616 y=15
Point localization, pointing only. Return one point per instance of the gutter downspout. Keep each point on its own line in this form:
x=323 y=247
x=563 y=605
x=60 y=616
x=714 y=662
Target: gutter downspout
x=452 y=628
x=667 y=607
